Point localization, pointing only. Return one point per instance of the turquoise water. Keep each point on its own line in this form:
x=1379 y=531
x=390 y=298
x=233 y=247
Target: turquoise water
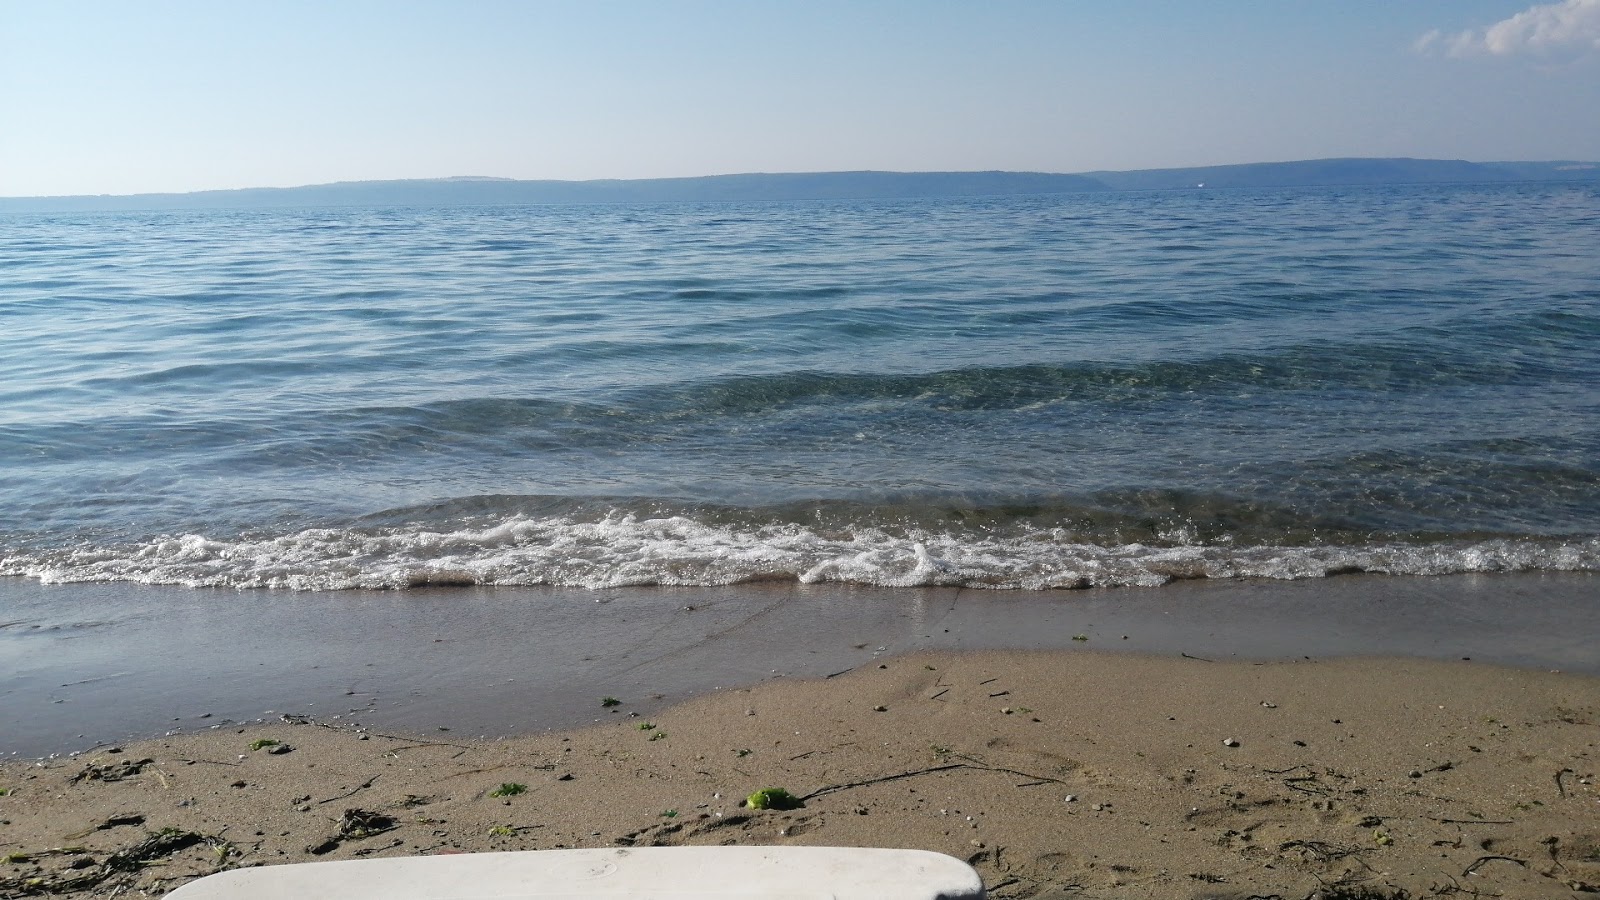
x=1057 y=391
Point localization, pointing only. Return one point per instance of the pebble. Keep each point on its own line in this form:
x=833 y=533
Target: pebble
x=1229 y=742
x=1071 y=798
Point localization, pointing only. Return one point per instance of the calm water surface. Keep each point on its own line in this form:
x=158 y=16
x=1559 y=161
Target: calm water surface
x=1060 y=391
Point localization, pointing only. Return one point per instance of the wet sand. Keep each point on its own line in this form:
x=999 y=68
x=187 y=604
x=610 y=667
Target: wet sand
x=89 y=664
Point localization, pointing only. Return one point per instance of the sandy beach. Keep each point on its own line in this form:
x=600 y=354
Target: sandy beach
x=1056 y=774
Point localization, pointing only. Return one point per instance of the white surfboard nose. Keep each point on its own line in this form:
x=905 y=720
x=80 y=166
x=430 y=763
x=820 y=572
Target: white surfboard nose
x=643 y=873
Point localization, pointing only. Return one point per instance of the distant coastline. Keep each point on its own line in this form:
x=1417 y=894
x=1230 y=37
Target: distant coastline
x=862 y=185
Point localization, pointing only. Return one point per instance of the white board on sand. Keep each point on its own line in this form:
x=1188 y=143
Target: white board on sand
x=768 y=873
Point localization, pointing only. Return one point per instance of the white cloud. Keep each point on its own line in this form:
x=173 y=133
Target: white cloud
x=1548 y=27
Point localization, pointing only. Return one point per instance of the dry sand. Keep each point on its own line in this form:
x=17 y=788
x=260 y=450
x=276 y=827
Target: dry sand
x=1056 y=774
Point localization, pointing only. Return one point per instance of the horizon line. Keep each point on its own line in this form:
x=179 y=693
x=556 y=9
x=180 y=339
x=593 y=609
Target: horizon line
x=500 y=178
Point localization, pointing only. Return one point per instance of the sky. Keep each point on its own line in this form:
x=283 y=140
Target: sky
x=168 y=95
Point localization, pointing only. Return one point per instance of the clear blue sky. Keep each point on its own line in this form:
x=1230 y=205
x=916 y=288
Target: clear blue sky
x=144 y=95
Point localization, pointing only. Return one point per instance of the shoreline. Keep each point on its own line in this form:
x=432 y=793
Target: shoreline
x=1055 y=773
x=102 y=663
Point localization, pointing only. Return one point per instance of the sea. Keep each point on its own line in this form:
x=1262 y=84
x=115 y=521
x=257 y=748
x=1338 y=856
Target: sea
x=1035 y=392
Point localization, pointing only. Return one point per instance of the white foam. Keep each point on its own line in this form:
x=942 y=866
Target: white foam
x=622 y=550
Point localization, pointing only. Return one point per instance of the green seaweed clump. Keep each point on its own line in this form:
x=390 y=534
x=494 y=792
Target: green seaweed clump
x=773 y=798
x=509 y=789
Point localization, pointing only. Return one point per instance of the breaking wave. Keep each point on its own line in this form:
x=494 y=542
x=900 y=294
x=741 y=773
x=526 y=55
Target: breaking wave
x=630 y=549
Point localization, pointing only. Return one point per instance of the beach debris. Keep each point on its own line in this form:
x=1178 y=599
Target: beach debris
x=262 y=743
x=1268 y=704
x=610 y=702
x=360 y=823
x=107 y=824
x=123 y=768
x=509 y=789
x=880 y=708
x=86 y=875
x=1230 y=742
x=773 y=798
x=158 y=844
x=1080 y=637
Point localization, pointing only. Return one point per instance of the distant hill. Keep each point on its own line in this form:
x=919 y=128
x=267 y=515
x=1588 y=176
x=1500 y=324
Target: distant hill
x=1335 y=172
x=507 y=192
x=487 y=191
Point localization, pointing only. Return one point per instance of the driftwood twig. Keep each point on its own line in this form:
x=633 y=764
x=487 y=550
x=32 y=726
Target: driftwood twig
x=363 y=786
x=832 y=788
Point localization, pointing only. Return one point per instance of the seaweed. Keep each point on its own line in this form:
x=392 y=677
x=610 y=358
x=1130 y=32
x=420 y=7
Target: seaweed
x=773 y=798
